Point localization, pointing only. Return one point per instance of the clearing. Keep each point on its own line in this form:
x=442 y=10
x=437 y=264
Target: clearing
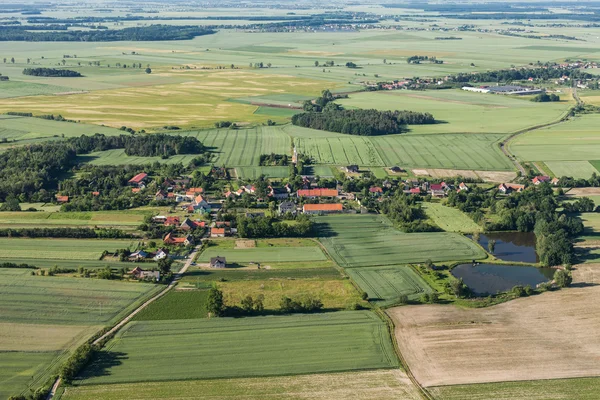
x=450 y=219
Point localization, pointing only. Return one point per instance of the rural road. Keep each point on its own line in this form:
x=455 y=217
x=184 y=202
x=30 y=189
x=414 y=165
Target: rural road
x=128 y=318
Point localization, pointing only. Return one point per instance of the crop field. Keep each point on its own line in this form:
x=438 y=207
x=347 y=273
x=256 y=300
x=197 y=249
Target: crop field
x=549 y=389
x=385 y=285
x=464 y=112
x=247 y=173
x=265 y=254
x=244 y=347
x=43 y=317
x=454 y=151
x=559 y=145
x=504 y=342
x=19 y=89
x=128 y=220
x=177 y=304
x=118 y=157
x=336 y=294
x=59 y=249
x=368 y=240
x=575 y=169
x=388 y=384
x=450 y=219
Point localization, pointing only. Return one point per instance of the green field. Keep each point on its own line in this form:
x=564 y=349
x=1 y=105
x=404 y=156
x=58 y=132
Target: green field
x=227 y=348
x=369 y=240
x=464 y=112
x=450 y=219
x=60 y=249
x=126 y=220
x=552 y=389
x=372 y=385
x=176 y=305
x=453 y=151
x=574 y=169
x=42 y=318
x=265 y=255
x=385 y=285
x=247 y=173
x=591 y=223
x=118 y=157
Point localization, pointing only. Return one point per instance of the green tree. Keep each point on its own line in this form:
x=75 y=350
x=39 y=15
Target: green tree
x=215 y=302
x=316 y=63
x=148 y=70
x=248 y=304
x=10 y=204
x=563 y=278
x=164 y=265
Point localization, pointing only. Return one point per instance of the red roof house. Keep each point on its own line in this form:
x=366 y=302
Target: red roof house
x=317 y=193
x=138 y=180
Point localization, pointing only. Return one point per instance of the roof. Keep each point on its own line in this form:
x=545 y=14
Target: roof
x=436 y=187
x=199 y=199
x=138 y=178
x=323 y=207
x=217 y=231
x=214 y=260
x=62 y=199
x=375 y=189
x=135 y=190
x=415 y=190
x=541 y=178
x=317 y=192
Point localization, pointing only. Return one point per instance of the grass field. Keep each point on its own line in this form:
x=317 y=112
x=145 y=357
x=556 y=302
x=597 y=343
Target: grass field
x=450 y=219
x=59 y=249
x=118 y=157
x=259 y=346
x=373 y=385
x=504 y=342
x=462 y=111
x=574 y=169
x=369 y=240
x=591 y=223
x=44 y=317
x=177 y=304
x=385 y=285
x=126 y=220
x=552 y=389
x=265 y=254
x=454 y=151
x=247 y=173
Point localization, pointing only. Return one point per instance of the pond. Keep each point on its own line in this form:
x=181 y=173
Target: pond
x=492 y=278
x=511 y=246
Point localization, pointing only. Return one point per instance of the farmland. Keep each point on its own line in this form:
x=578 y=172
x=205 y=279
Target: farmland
x=363 y=241
x=454 y=151
x=126 y=220
x=44 y=317
x=450 y=219
x=385 y=285
x=59 y=249
x=177 y=304
x=465 y=112
x=372 y=385
x=554 y=389
x=275 y=254
x=575 y=169
x=228 y=348
x=500 y=343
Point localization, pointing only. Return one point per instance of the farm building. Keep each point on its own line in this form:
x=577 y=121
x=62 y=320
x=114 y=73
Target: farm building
x=189 y=225
x=171 y=221
x=218 y=262
x=540 y=179
x=62 y=199
x=505 y=89
x=139 y=180
x=316 y=209
x=171 y=239
x=351 y=169
x=314 y=193
x=139 y=273
x=139 y=255
x=437 y=190
x=287 y=206
x=507 y=188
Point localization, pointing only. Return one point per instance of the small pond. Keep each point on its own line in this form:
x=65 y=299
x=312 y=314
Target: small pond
x=493 y=278
x=511 y=246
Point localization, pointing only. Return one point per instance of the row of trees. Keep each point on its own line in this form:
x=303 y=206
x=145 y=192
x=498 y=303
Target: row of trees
x=265 y=227
x=78 y=233
x=51 y=72
x=519 y=74
x=545 y=98
x=406 y=211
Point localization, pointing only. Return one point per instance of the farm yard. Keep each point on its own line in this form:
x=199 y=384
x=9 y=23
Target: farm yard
x=235 y=348
x=369 y=240
x=44 y=317
x=385 y=285
x=450 y=219
x=383 y=384
x=500 y=343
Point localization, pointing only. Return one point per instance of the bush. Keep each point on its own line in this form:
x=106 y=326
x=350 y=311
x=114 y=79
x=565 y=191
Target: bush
x=563 y=278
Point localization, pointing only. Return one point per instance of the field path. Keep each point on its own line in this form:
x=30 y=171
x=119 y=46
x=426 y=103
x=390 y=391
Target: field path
x=128 y=318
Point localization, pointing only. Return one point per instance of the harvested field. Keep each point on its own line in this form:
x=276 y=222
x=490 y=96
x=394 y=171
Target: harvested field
x=582 y=192
x=245 y=244
x=487 y=176
x=548 y=336
x=496 y=176
x=390 y=384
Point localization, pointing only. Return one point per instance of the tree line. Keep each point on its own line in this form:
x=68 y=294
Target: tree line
x=51 y=72
x=75 y=233
x=267 y=227
x=519 y=74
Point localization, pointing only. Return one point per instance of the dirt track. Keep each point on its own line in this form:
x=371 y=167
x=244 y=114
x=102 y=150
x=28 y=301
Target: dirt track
x=553 y=335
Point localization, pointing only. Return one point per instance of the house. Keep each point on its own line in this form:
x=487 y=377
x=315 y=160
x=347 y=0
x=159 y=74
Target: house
x=171 y=221
x=255 y=214
x=555 y=181
x=239 y=192
x=278 y=193
x=189 y=225
x=194 y=191
x=160 y=195
x=200 y=201
x=218 y=262
x=139 y=255
x=249 y=189
x=322 y=208
x=139 y=273
x=228 y=194
x=437 y=190
x=217 y=232
x=95 y=194
x=287 y=206
x=353 y=169
x=135 y=190
x=161 y=254
x=415 y=191
x=198 y=209
x=540 y=179
x=171 y=239
x=62 y=199
x=314 y=193
x=376 y=190
x=463 y=187
x=222 y=224
x=160 y=219
x=507 y=188
x=139 y=180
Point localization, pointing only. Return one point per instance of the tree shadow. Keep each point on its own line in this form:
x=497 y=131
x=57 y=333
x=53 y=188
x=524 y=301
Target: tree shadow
x=323 y=229
x=103 y=361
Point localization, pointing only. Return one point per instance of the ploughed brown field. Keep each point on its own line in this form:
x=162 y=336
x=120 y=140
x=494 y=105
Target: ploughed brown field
x=552 y=335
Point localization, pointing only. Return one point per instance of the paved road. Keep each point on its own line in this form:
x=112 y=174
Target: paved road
x=128 y=318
